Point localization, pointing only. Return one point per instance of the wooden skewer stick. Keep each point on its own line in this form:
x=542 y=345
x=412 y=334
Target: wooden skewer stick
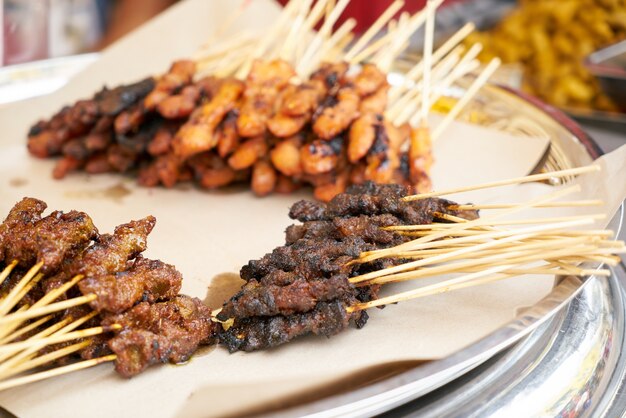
x=266 y=41
x=499 y=238
x=11 y=299
x=467 y=97
x=24 y=330
x=517 y=180
x=56 y=293
x=375 y=254
x=44 y=310
x=573 y=203
x=20 y=295
x=448 y=285
x=515 y=258
x=83 y=333
x=406 y=106
x=374 y=29
x=415 y=73
x=417 y=20
x=54 y=330
x=307 y=59
x=339 y=34
x=428 y=55
x=444 y=226
x=55 y=372
x=292 y=38
x=7 y=271
x=45 y=359
x=467 y=64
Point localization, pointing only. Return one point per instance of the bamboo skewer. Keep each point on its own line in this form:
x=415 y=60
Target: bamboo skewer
x=574 y=203
x=88 y=332
x=415 y=73
x=55 y=372
x=44 y=310
x=372 y=255
x=11 y=299
x=380 y=23
x=507 y=182
x=44 y=359
x=467 y=97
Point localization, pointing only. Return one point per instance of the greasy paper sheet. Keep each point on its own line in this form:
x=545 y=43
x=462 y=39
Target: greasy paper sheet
x=206 y=234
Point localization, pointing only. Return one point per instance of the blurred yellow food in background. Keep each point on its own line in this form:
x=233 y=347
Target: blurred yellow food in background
x=551 y=38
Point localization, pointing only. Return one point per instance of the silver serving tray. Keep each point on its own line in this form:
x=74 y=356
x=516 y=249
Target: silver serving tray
x=541 y=359
x=489 y=364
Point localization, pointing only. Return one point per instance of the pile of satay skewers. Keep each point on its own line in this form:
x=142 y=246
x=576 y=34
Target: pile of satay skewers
x=333 y=264
x=312 y=110
x=323 y=279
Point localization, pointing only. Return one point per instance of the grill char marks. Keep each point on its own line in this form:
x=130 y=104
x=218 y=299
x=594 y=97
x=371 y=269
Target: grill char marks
x=303 y=286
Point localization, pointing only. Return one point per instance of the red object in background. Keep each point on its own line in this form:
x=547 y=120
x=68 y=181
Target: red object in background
x=367 y=11
x=24 y=31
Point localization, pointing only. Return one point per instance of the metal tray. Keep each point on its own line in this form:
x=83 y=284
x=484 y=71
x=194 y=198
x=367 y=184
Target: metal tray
x=570 y=146
x=547 y=357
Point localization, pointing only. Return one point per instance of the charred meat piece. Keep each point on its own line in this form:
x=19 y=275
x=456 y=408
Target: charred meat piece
x=112 y=102
x=30 y=239
x=112 y=252
x=297 y=297
x=304 y=286
x=250 y=334
x=161 y=332
x=146 y=281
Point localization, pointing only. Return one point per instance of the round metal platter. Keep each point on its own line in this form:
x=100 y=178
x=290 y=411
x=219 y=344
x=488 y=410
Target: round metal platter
x=575 y=322
x=561 y=356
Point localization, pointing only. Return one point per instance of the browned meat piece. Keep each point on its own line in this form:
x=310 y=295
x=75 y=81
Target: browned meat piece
x=129 y=120
x=64 y=166
x=248 y=153
x=303 y=287
x=95 y=142
x=362 y=136
x=112 y=252
x=263 y=178
x=420 y=158
x=283 y=126
x=137 y=349
x=76 y=148
x=287 y=185
x=165 y=331
x=180 y=105
x=298 y=296
x=331 y=74
x=22 y=216
x=147 y=281
x=179 y=75
x=303 y=99
x=49 y=240
x=121 y=158
x=320 y=156
x=161 y=143
x=265 y=332
x=45 y=144
x=263 y=85
x=198 y=134
x=369 y=80
x=336 y=184
x=97 y=164
x=227 y=136
x=308 y=210
x=337 y=114
x=285 y=156
x=375 y=102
